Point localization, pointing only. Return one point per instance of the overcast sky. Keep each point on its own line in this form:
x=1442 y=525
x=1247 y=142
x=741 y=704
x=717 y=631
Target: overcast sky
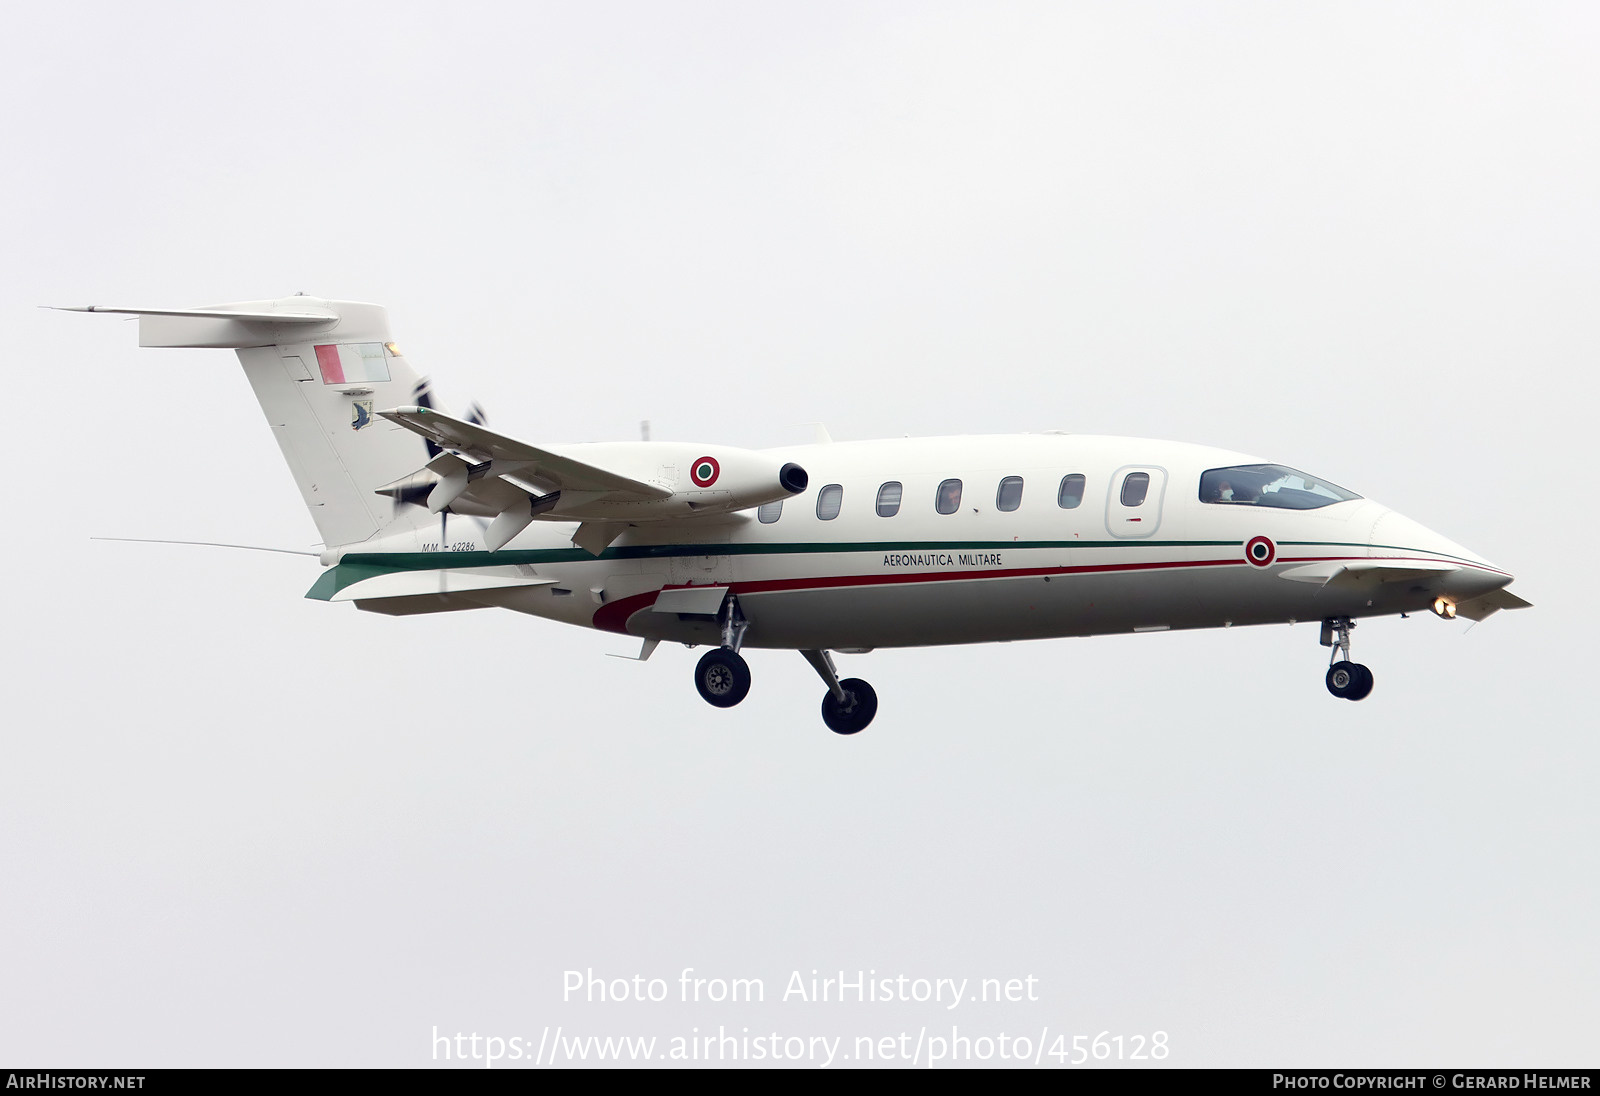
x=242 y=828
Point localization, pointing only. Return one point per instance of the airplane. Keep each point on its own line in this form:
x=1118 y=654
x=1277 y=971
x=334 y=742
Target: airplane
x=828 y=548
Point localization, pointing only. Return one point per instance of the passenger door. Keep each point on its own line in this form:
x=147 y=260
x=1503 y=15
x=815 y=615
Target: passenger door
x=1133 y=503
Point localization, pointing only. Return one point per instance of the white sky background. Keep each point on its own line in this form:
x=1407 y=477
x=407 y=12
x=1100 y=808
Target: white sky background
x=238 y=827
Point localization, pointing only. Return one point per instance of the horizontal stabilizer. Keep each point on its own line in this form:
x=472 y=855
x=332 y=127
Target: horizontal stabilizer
x=297 y=315
x=248 y=325
x=546 y=469
x=1487 y=605
x=413 y=583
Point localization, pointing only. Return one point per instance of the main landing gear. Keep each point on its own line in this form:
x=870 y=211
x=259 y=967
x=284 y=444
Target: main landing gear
x=1346 y=680
x=723 y=677
x=848 y=705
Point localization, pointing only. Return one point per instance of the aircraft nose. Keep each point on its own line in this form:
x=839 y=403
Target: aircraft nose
x=1395 y=536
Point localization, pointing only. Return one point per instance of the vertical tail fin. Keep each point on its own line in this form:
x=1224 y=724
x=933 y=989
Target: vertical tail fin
x=320 y=369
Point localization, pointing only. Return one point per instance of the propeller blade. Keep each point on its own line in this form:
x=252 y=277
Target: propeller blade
x=422 y=396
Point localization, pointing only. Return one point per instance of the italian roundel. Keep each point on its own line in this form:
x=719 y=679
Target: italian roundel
x=1260 y=551
x=704 y=471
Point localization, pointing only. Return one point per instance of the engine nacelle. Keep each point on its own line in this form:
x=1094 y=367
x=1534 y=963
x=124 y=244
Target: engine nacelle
x=703 y=479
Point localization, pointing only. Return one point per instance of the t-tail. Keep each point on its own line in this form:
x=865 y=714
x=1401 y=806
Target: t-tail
x=321 y=370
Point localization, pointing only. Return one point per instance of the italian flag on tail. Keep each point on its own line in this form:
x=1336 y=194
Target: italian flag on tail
x=351 y=362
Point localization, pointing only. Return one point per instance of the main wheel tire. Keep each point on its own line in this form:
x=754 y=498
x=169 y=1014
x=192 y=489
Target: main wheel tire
x=722 y=677
x=1363 y=683
x=859 y=706
x=1342 y=679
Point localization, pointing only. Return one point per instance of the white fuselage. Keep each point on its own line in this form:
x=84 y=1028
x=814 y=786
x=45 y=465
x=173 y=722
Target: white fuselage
x=819 y=548
x=978 y=573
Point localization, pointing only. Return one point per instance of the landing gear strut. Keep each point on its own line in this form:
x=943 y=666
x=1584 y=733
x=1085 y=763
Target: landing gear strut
x=849 y=705
x=1346 y=680
x=723 y=676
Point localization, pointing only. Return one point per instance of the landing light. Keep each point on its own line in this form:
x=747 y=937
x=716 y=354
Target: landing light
x=1446 y=609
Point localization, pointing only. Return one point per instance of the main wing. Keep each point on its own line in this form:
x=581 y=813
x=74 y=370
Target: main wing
x=605 y=487
x=510 y=480
x=543 y=469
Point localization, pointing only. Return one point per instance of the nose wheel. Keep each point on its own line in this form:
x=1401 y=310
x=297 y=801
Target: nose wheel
x=1349 y=680
x=1346 y=680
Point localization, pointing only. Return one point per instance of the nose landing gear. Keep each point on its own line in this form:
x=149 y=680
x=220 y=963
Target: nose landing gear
x=1346 y=680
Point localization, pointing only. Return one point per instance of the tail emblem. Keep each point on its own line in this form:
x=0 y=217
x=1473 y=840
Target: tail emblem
x=360 y=414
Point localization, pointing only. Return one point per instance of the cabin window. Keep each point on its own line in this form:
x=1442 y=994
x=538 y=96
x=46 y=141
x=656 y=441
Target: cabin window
x=1071 y=493
x=1134 y=488
x=948 y=500
x=889 y=499
x=769 y=513
x=1009 y=497
x=1269 y=485
x=829 y=499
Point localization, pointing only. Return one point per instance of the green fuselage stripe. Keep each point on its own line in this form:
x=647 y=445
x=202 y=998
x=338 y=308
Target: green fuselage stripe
x=360 y=566
x=1363 y=544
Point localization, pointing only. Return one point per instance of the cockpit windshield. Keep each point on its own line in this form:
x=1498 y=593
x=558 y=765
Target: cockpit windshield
x=1269 y=485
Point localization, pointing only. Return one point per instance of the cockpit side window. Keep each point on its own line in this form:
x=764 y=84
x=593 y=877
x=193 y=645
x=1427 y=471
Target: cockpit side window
x=1269 y=485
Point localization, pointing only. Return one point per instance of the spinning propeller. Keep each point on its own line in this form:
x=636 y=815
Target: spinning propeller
x=416 y=494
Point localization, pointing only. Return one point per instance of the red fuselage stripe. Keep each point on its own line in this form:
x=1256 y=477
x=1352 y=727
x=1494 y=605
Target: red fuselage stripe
x=613 y=617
